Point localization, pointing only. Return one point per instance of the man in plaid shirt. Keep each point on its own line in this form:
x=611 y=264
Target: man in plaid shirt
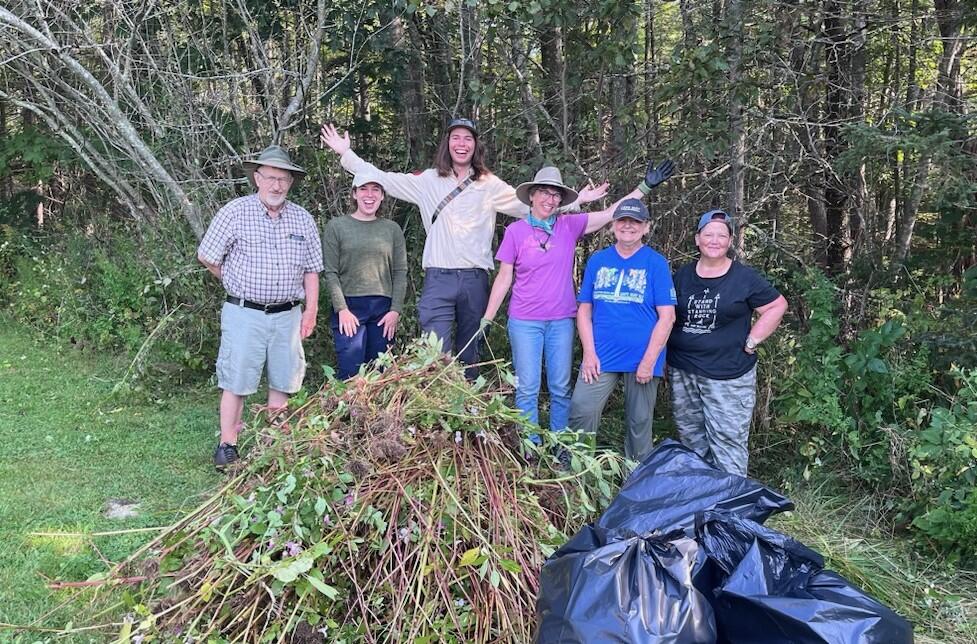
x=266 y=252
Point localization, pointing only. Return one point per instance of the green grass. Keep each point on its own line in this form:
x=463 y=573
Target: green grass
x=858 y=543
x=67 y=446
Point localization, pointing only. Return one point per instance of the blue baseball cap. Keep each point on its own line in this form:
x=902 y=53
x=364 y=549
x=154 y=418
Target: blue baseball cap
x=715 y=215
x=631 y=209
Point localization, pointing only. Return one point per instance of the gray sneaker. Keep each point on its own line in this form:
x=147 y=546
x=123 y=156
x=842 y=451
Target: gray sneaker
x=225 y=455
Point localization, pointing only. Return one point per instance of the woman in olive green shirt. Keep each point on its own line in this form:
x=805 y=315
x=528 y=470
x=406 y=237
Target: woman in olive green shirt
x=366 y=276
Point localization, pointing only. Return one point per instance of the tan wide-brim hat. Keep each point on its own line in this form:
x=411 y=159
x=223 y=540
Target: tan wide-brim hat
x=274 y=156
x=547 y=176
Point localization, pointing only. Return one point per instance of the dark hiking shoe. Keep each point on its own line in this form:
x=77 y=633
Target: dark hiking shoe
x=225 y=455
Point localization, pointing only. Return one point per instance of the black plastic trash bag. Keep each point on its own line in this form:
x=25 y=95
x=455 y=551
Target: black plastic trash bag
x=674 y=483
x=767 y=587
x=608 y=588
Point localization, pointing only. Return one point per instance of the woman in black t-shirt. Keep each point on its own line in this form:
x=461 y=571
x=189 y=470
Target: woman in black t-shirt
x=712 y=348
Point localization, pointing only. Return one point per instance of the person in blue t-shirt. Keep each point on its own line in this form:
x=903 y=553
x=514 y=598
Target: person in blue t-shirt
x=725 y=309
x=626 y=312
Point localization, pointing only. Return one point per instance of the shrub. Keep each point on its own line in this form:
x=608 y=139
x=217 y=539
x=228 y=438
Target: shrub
x=103 y=286
x=944 y=471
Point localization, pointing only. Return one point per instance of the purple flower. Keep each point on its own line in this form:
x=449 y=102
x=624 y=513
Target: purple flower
x=348 y=500
x=326 y=520
x=279 y=509
x=403 y=533
x=271 y=544
x=292 y=548
x=457 y=437
x=138 y=638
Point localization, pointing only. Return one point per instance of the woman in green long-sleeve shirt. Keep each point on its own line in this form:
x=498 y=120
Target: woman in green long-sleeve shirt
x=366 y=276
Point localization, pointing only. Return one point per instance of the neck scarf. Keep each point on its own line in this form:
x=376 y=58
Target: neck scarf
x=542 y=224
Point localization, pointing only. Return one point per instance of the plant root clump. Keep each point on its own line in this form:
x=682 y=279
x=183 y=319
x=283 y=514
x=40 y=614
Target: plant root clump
x=403 y=505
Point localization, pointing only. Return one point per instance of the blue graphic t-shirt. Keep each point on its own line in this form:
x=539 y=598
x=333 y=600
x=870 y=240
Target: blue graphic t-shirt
x=624 y=294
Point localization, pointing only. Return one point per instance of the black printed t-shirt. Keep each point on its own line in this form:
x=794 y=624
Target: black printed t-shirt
x=713 y=319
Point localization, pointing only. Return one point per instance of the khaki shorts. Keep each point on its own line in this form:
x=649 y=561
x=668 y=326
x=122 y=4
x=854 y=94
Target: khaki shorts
x=251 y=339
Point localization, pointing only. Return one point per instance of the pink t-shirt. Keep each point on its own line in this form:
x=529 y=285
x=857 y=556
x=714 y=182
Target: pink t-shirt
x=542 y=288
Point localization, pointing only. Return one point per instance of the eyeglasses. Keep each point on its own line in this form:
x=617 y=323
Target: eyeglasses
x=278 y=181
x=549 y=195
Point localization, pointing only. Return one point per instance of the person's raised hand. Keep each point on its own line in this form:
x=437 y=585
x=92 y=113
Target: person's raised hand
x=330 y=137
x=660 y=174
x=591 y=193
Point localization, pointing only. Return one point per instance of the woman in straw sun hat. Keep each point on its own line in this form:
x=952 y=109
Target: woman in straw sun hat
x=536 y=260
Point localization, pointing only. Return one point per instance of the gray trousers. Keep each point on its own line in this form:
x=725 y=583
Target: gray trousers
x=713 y=416
x=452 y=304
x=589 y=399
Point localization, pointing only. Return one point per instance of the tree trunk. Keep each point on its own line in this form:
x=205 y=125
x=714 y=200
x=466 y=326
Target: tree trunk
x=949 y=16
x=860 y=201
x=650 y=62
x=737 y=147
x=405 y=41
x=529 y=103
x=554 y=81
x=438 y=61
x=835 y=190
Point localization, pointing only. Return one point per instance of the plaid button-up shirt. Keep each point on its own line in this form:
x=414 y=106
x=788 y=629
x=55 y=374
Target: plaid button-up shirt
x=263 y=259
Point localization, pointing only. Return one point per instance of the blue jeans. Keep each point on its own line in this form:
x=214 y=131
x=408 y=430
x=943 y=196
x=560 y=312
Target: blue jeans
x=534 y=341
x=368 y=341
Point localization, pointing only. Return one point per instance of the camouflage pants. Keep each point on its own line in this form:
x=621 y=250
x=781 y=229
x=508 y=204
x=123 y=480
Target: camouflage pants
x=713 y=416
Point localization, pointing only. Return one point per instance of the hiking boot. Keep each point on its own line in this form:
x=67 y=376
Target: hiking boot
x=225 y=455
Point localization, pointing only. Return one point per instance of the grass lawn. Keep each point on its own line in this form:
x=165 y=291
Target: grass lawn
x=67 y=446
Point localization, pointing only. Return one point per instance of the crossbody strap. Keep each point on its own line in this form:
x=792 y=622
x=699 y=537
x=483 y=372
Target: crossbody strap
x=451 y=195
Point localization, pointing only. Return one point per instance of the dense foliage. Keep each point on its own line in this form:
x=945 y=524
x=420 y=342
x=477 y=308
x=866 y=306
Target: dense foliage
x=841 y=135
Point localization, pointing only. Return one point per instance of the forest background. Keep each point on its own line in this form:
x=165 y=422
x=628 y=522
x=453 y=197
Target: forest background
x=841 y=134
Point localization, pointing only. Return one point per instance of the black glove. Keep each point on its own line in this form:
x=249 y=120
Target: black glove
x=655 y=176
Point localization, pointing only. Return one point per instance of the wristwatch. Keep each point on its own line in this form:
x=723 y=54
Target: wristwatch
x=751 y=344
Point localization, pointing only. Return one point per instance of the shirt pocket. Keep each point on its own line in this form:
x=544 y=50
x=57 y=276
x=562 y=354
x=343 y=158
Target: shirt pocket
x=294 y=250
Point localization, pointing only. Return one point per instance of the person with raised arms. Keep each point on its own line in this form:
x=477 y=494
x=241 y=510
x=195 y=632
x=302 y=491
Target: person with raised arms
x=458 y=200
x=536 y=259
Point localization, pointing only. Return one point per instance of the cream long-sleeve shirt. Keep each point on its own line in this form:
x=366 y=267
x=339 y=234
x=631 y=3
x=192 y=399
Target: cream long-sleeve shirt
x=462 y=235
